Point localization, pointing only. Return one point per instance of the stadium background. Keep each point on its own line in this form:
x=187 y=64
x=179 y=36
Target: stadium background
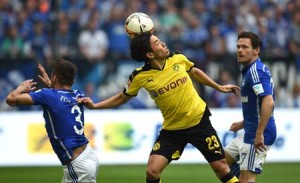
x=91 y=34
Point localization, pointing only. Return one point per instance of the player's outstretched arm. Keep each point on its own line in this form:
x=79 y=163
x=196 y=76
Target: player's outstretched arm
x=20 y=96
x=111 y=102
x=202 y=78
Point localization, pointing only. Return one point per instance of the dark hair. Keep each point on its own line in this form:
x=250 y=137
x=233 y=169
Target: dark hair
x=255 y=41
x=65 y=71
x=139 y=46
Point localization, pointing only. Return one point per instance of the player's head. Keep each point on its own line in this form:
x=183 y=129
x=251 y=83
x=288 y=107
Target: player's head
x=248 y=47
x=64 y=72
x=146 y=47
x=139 y=46
x=254 y=39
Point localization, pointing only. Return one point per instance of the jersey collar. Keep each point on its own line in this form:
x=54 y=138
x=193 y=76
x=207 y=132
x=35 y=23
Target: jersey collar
x=248 y=66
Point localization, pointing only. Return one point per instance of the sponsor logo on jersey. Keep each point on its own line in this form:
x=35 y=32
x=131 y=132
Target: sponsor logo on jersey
x=172 y=85
x=244 y=99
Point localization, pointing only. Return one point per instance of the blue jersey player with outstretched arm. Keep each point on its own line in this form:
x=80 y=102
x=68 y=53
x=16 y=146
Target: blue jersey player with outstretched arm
x=257 y=96
x=64 y=120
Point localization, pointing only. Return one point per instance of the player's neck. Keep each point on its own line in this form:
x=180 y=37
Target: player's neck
x=63 y=87
x=157 y=64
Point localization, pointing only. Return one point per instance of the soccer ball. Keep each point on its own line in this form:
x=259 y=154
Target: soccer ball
x=137 y=23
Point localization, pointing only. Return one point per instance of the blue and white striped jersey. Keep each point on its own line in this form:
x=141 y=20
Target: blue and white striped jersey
x=257 y=82
x=64 y=120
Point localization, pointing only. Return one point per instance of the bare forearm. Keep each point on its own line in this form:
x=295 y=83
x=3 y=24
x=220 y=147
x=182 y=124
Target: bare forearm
x=11 y=99
x=112 y=102
x=20 y=96
x=266 y=111
x=202 y=78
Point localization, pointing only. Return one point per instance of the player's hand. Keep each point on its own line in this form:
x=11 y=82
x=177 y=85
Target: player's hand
x=86 y=101
x=27 y=86
x=44 y=76
x=259 y=142
x=236 y=126
x=230 y=89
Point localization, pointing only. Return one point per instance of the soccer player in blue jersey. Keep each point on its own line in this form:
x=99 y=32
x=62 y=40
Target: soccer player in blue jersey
x=168 y=79
x=257 y=97
x=64 y=120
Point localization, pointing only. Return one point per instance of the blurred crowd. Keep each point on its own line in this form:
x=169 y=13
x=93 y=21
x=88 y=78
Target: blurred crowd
x=91 y=34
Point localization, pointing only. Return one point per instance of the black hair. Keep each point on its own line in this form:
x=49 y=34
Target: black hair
x=139 y=46
x=65 y=71
x=255 y=40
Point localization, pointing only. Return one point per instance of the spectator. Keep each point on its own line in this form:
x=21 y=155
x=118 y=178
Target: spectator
x=12 y=45
x=65 y=41
x=295 y=38
x=117 y=37
x=93 y=47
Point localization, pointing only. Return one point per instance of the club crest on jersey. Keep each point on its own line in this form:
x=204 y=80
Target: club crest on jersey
x=176 y=67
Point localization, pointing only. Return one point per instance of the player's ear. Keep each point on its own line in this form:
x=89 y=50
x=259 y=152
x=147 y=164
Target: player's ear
x=257 y=50
x=150 y=55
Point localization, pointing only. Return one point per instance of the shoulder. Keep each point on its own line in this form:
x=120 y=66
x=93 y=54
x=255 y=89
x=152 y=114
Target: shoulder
x=78 y=93
x=259 y=68
x=177 y=55
x=259 y=71
x=41 y=91
x=137 y=72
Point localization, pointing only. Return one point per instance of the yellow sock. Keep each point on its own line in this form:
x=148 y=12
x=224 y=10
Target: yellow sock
x=233 y=180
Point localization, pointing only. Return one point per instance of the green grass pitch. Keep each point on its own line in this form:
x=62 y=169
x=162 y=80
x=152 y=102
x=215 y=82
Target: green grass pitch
x=174 y=173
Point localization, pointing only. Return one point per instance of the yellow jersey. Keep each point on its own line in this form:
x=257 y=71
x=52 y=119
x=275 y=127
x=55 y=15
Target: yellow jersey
x=172 y=90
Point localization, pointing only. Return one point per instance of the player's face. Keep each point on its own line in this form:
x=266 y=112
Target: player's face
x=160 y=50
x=245 y=53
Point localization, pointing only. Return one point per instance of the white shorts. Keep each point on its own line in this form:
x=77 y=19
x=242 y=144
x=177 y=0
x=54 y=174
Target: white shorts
x=233 y=147
x=252 y=160
x=245 y=154
x=82 y=169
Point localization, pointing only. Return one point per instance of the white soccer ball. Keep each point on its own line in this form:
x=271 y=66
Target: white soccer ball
x=137 y=23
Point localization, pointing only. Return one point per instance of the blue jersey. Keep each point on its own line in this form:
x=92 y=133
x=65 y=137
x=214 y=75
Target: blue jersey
x=64 y=120
x=257 y=82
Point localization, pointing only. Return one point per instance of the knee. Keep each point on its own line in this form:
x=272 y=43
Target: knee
x=152 y=173
x=221 y=168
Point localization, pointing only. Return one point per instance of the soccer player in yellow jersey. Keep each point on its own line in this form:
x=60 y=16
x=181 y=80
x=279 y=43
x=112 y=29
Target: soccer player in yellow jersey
x=167 y=78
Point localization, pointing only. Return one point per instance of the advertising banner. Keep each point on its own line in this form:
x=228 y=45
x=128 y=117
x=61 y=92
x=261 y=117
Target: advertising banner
x=127 y=136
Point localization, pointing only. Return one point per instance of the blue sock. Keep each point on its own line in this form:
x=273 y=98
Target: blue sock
x=235 y=169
